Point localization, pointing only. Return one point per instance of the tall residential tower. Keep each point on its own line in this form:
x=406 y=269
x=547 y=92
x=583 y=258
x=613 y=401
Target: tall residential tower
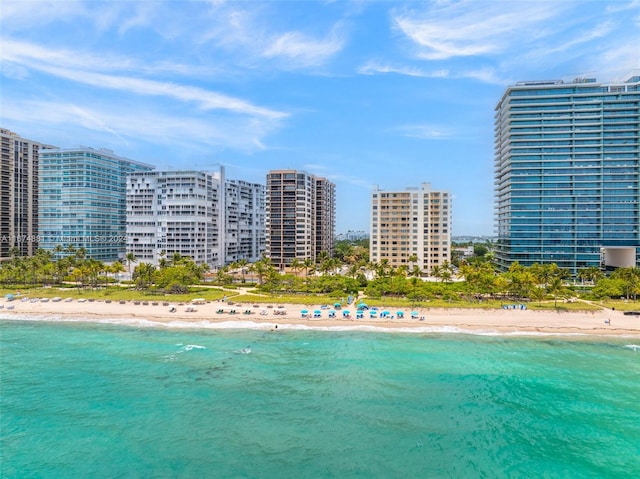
x=411 y=222
x=300 y=216
x=244 y=221
x=567 y=173
x=172 y=212
x=18 y=194
x=197 y=214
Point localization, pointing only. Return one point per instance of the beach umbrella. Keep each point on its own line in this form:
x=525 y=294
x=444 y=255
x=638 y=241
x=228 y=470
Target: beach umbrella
x=414 y=313
x=400 y=313
x=337 y=305
x=362 y=306
x=332 y=311
x=386 y=313
x=305 y=311
x=317 y=311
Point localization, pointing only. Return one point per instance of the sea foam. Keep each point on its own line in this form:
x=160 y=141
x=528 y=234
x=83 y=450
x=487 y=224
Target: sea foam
x=235 y=324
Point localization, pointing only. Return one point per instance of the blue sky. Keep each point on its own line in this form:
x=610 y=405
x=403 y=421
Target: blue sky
x=362 y=92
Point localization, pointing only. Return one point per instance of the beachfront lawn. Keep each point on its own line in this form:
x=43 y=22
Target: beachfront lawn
x=562 y=306
x=116 y=293
x=621 y=305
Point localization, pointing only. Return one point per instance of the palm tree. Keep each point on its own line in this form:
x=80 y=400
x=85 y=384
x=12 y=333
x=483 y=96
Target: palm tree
x=556 y=288
x=260 y=268
x=307 y=264
x=591 y=273
x=384 y=268
x=631 y=278
x=413 y=259
x=447 y=271
x=143 y=275
x=176 y=259
x=117 y=267
x=242 y=264
x=322 y=257
x=131 y=258
x=295 y=266
x=436 y=272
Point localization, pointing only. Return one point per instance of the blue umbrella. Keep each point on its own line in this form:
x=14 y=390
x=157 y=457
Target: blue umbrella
x=304 y=311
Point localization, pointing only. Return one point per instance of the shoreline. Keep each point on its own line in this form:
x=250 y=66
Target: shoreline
x=289 y=316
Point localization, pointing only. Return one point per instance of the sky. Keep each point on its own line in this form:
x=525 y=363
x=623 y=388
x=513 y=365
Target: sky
x=365 y=93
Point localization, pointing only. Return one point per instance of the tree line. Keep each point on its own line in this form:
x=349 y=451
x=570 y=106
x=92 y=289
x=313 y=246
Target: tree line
x=349 y=271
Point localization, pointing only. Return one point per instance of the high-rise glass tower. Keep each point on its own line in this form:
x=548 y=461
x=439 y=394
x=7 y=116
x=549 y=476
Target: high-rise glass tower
x=83 y=200
x=567 y=173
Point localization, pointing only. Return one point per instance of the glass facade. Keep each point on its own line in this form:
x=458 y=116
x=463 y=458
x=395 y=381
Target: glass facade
x=567 y=172
x=83 y=200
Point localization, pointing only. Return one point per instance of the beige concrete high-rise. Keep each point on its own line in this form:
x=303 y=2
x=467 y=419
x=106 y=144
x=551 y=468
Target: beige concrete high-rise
x=18 y=194
x=300 y=217
x=414 y=221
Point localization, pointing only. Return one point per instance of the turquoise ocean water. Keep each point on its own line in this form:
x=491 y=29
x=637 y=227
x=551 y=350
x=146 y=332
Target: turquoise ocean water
x=82 y=400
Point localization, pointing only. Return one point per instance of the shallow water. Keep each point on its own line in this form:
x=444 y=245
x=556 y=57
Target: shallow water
x=92 y=400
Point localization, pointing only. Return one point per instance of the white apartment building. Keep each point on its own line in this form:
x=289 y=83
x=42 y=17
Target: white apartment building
x=414 y=221
x=175 y=212
x=244 y=221
x=197 y=214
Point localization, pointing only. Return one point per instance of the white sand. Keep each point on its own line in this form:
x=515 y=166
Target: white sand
x=472 y=320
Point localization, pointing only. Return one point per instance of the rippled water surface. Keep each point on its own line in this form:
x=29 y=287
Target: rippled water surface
x=89 y=400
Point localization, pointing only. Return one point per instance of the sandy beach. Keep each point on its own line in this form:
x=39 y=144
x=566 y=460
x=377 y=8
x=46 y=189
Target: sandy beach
x=497 y=321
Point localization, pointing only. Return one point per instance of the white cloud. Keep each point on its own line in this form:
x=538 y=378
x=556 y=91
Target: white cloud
x=250 y=36
x=18 y=14
x=44 y=60
x=619 y=61
x=598 y=31
x=143 y=16
x=460 y=29
x=485 y=74
x=373 y=67
x=120 y=125
x=425 y=132
x=29 y=53
x=303 y=50
x=623 y=6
